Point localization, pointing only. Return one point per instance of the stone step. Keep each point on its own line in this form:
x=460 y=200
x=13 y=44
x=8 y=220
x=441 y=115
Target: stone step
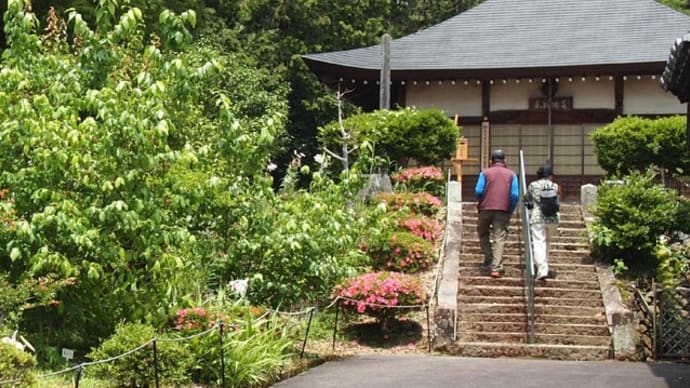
x=519 y=282
x=563 y=271
x=596 y=330
x=589 y=297
x=555 y=257
x=538 y=300
x=544 y=318
x=566 y=208
x=515 y=225
x=576 y=235
x=539 y=338
x=545 y=351
x=473 y=244
x=509 y=308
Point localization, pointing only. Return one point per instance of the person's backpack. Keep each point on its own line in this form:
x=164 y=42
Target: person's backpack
x=548 y=201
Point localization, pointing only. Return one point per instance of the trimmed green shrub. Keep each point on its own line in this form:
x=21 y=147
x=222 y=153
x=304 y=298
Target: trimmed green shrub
x=632 y=218
x=380 y=295
x=635 y=144
x=427 y=136
x=17 y=365
x=137 y=369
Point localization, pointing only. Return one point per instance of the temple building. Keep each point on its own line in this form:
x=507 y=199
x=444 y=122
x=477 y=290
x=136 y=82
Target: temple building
x=536 y=75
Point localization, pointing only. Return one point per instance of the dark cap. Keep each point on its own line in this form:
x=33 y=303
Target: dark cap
x=498 y=155
x=545 y=171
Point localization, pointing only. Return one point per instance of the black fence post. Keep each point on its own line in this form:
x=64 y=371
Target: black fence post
x=428 y=328
x=155 y=364
x=77 y=377
x=335 y=324
x=221 y=324
x=306 y=335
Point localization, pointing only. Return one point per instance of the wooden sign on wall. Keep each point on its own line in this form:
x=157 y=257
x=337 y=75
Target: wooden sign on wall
x=563 y=104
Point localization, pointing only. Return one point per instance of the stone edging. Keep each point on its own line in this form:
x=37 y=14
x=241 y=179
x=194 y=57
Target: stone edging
x=445 y=314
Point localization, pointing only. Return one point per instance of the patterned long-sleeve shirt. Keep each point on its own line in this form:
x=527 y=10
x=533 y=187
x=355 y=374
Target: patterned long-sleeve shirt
x=532 y=196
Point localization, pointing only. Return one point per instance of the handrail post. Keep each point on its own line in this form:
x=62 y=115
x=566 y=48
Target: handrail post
x=529 y=281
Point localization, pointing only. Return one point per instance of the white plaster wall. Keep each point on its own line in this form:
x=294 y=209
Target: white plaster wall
x=645 y=96
x=461 y=99
x=512 y=95
x=590 y=93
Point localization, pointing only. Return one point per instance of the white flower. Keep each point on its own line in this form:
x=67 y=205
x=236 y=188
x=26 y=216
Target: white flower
x=271 y=167
x=239 y=286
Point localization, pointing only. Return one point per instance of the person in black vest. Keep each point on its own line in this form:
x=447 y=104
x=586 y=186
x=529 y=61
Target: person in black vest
x=543 y=222
x=497 y=194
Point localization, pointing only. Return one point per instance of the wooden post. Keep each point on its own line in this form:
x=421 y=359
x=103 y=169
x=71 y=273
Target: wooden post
x=485 y=144
x=385 y=82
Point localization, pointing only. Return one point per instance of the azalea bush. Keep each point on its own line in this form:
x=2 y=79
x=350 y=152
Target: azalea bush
x=401 y=251
x=194 y=319
x=421 y=226
x=418 y=203
x=382 y=295
x=420 y=179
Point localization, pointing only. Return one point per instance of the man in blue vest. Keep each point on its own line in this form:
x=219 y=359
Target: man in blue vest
x=497 y=194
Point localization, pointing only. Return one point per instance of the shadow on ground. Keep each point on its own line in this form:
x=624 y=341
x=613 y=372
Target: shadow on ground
x=370 y=333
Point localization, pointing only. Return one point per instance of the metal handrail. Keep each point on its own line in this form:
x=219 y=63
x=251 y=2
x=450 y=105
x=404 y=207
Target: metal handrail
x=527 y=241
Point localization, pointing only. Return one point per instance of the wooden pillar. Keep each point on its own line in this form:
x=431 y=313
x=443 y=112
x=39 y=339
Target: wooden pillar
x=485 y=132
x=618 y=92
x=385 y=82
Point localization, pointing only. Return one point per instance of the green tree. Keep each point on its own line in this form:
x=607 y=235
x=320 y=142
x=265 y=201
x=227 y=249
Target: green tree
x=118 y=155
x=274 y=33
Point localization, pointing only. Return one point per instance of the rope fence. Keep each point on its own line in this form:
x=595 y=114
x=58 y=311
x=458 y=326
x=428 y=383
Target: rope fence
x=307 y=314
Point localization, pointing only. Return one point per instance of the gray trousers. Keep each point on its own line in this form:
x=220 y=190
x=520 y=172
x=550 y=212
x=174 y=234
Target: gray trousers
x=492 y=229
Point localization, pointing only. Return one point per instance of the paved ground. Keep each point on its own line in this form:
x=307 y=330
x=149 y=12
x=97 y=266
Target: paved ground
x=443 y=371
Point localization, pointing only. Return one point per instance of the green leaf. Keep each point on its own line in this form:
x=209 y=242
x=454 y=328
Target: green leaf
x=15 y=254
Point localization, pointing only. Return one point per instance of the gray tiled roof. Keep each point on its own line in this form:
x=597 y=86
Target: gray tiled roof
x=523 y=34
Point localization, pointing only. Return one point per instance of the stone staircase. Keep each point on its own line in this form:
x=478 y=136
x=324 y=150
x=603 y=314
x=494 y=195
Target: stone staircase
x=492 y=313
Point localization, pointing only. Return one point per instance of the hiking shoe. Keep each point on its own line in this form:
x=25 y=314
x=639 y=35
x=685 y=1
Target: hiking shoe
x=495 y=274
x=540 y=278
x=551 y=274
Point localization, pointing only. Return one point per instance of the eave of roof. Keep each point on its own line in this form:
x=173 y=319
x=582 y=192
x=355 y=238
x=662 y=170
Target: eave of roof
x=676 y=75
x=525 y=38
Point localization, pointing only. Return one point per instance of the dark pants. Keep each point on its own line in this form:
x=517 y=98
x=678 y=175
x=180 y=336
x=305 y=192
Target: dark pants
x=492 y=229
